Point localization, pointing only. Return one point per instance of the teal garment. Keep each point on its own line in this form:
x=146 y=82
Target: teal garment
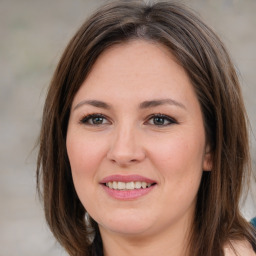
x=253 y=221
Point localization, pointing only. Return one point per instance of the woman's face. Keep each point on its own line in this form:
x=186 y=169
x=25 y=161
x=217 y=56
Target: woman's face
x=136 y=142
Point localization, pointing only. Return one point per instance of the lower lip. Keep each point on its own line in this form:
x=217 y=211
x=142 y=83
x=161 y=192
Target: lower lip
x=127 y=194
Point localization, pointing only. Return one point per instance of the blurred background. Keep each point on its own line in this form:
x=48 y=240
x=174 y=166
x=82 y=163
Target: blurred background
x=33 y=34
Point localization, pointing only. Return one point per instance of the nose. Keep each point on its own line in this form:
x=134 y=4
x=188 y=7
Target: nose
x=126 y=147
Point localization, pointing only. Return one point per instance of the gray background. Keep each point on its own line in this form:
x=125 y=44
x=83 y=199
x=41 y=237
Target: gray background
x=33 y=35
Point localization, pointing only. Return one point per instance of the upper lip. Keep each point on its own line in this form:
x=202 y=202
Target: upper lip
x=126 y=178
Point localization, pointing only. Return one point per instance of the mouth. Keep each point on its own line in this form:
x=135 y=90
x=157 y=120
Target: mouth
x=119 y=185
x=128 y=187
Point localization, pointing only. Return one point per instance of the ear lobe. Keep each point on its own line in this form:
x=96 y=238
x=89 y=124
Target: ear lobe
x=207 y=162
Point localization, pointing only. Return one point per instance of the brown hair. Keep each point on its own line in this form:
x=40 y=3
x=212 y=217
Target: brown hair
x=203 y=56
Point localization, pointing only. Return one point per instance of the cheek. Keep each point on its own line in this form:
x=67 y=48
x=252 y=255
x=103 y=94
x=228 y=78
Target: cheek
x=179 y=162
x=85 y=158
x=178 y=151
x=84 y=154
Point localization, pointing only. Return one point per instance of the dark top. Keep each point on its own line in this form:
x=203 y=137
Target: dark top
x=253 y=222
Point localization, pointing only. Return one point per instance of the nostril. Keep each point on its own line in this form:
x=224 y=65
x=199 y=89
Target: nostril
x=122 y=155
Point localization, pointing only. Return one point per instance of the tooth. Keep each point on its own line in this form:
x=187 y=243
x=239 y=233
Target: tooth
x=144 y=184
x=115 y=185
x=137 y=184
x=120 y=185
x=129 y=185
x=110 y=184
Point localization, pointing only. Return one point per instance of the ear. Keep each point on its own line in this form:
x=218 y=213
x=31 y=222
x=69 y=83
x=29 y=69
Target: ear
x=207 y=161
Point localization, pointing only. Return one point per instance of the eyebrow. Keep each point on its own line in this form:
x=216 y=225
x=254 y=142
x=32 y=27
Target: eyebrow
x=143 y=105
x=95 y=103
x=159 y=102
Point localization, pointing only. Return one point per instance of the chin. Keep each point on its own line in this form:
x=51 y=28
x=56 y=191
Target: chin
x=127 y=230
x=126 y=224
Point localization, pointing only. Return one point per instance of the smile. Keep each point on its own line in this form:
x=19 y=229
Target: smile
x=119 y=185
x=127 y=187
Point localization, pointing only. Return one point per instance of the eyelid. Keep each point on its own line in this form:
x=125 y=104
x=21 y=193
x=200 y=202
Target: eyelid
x=84 y=120
x=167 y=117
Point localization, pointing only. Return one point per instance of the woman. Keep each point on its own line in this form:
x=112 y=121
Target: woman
x=144 y=145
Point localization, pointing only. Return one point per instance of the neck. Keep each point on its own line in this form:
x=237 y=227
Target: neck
x=173 y=242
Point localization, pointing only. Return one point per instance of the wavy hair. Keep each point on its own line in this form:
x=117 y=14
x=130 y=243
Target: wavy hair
x=200 y=52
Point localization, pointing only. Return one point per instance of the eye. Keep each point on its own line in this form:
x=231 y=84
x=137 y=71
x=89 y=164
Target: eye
x=94 y=119
x=161 y=120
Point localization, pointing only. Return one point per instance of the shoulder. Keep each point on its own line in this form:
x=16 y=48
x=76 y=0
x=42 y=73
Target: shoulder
x=242 y=248
x=253 y=222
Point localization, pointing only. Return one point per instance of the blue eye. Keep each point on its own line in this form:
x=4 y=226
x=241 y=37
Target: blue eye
x=94 y=119
x=161 y=120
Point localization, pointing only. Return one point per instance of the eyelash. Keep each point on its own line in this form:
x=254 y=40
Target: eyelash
x=164 y=117
x=86 y=119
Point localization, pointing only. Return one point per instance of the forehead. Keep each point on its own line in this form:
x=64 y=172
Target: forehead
x=136 y=58
x=138 y=68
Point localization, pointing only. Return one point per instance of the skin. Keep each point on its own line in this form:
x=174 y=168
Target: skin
x=241 y=248
x=128 y=140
